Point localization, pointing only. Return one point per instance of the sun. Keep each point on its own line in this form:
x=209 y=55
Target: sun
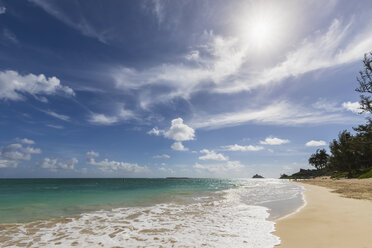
x=261 y=32
x=263 y=28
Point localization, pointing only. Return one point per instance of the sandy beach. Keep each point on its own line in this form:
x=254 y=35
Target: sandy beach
x=329 y=219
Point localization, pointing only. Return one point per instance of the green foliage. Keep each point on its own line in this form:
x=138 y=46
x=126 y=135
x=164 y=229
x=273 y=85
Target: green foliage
x=343 y=156
x=367 y=174
x=284 y=176
x=340 y=175
x=319 y=159
x=365 y=84
x=307 y=174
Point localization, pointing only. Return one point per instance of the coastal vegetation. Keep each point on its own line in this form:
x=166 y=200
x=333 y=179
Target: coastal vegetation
x=350 y=154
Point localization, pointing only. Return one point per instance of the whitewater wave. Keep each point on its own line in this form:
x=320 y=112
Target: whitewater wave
x=223 y=219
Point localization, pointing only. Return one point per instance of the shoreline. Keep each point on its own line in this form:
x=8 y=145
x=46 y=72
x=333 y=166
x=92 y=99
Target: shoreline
x=326 y=220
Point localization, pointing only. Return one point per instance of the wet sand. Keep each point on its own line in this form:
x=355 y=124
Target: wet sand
x=328 y=219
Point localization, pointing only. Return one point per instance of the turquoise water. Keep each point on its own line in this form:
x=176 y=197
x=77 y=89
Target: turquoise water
x=144 y=212
x=23 y=200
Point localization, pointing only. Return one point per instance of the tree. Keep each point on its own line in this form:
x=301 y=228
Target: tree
x=365 y=84
x=345 y=154
x=319 y=159
x=363 y=144
x=363 y=139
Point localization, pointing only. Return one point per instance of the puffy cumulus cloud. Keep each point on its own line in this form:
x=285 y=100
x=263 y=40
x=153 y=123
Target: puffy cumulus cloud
x=112 y=166
x=316 y=143
x=237 y=147
x=178 y=132
x=212 y=155
x=13 y=154
x=178 y=146
x=91 y=155
x=57 y=164
x=13 y=86
x=155 y=131
x=220 y=168
x=354 y=107
x=162 y=156
x=274 y=141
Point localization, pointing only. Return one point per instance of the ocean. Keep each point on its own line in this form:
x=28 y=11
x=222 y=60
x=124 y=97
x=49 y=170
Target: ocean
x=144 y=212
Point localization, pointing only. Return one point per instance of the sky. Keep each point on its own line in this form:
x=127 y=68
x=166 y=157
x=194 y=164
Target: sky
x=156 y=88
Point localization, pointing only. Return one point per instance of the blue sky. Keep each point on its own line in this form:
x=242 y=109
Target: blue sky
x=176 y=88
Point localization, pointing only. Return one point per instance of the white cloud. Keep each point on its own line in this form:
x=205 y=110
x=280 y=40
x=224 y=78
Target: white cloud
x=354 y=107
x=224 y=58
x=13 y=154
x=327 y=106
x=112 y=166
x=277 y=113
x=78 y=22
x=162 y=156
x=91 y=155
x=212 y=155
x=155 y=131
x=178 y=146
x=55 y=126
x=14 y=85
x=122 y=114
x=101 y=119
x=25 y=141
x=322 y=50
x=316 y=143
x=223 y=65
x=237 y=147
x=55 y=115
x=57 y=164
x=2 y=10
x=274 y=141
x=192 y=56
x=180 y=131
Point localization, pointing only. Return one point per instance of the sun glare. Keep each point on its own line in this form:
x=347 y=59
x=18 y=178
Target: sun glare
x=262 y=27
x=260 y=33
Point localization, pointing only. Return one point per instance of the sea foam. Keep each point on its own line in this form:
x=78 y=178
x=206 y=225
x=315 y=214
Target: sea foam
x=222 y=219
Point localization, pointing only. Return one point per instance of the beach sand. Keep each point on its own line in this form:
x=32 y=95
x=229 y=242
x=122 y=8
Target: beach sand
x=328 y=219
